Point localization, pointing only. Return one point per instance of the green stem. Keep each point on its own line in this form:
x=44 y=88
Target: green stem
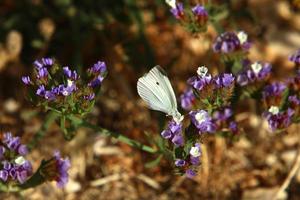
x=50 y=118
x=118 y=136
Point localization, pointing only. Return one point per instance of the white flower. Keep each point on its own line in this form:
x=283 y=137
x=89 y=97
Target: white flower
x=171 y=3
x=274 y=110
x=69 y=83
x=243 y=37
x=200 y=117
x=256 y=67
x=195 y=151
x=202 y=71
x=20 y=160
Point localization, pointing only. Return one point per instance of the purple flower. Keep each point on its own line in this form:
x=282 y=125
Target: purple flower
x=41 y=90
x=278 y=120
x=3 y=175
x=202 y=121
x=6 y=165
x=175 y=127
x=14 y=143
x=294 y=100
x=44 y=62
x=14 y=166
x=200 y=81
x=38 y=64
x=2 y=151
x=254 y=72
x=42 y=73
x=180 y=162
x=167 y=134
x=70 y=74
x=47 y=62
x=223 y=80
x=89 y=97
x=242 y=79
x=233 y=127
x=187 y=99
x=190 y=173
x=223 y=115
x=49 y=95
x=99 y=67
x=229 y=42
x=96 y=82
x=178 y=140
x=275 y=89
x=62 y=167
x=200 y=13
x=67 y=71
x=22 y=149
x=65 y=90
x=226 y=43
x=295 y=57
x=194 y=160
x=26 y=80
x=178 y=11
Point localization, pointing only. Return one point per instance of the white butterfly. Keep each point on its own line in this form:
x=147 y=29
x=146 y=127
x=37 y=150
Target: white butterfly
x=156 y=90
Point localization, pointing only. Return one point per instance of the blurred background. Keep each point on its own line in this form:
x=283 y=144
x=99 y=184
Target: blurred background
x=132 y=36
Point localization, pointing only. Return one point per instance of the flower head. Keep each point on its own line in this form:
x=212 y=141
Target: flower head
x=295 y=57
x=202 y=121
x=178 y=11
x=254 y=72
x=196 y=150
x=14 y=167
x=63 y=88
x=202 y=79
x=275 y=89
x=173 y=133
x=57 y=170
x=229 y=42
x=224 y=80
x=277 y=119
x=200 y=14
x=187 y=99
x=26 y=80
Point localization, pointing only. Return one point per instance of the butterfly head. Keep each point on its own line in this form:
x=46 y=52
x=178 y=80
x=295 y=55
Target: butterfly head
x=177 y=117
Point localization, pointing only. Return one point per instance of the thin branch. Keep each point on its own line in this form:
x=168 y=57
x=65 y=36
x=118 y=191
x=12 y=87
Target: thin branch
x=290 y=176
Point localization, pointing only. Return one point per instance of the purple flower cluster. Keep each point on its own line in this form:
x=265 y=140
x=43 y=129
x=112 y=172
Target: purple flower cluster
x=187 y=99
x=275 y=89
x=295 y=57
x=98 y=70
x=202 y=121
x=294 y=101
x=223 y=119
x=223 y=80
x=254 y=73
x=230 y=42
x=200 y=14
x=272 y=94
x=174 y=133
x=191 y=162
x=204 y=80
x=57 y=170
x=178 y=11
x=13 y=165
x=57 y=86
x=277 y=119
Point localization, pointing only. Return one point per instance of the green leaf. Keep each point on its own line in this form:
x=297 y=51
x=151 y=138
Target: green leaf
x=154 y=163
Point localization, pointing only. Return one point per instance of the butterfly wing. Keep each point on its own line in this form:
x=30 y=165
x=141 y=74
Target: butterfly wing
x=156 y=90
